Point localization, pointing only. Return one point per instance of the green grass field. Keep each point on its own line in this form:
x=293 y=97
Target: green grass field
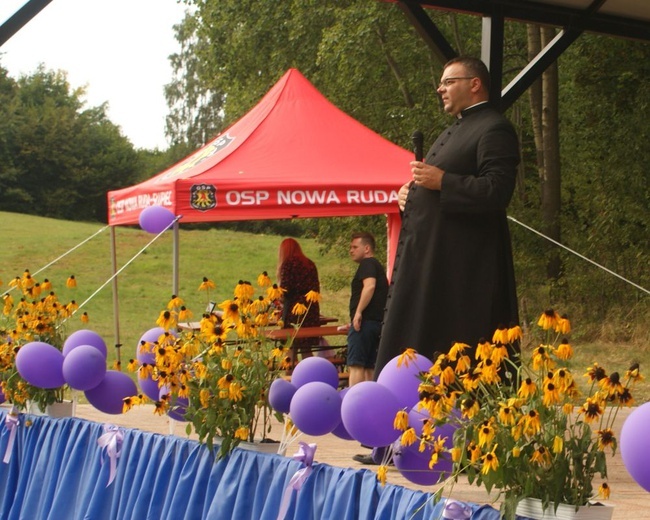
x=145 y=285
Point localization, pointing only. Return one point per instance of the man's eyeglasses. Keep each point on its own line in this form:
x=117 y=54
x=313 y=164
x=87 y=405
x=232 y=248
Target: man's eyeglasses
x=450 y=81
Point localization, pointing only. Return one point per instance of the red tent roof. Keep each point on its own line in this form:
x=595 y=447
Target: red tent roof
x=293 y=155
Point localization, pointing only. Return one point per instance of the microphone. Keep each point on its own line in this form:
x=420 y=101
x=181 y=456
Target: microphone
x=418 y=139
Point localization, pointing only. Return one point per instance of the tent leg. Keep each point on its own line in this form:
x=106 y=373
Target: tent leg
x=116 y=309
x=175 y=254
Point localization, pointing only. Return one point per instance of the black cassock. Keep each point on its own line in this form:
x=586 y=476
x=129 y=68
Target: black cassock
x=453 y=277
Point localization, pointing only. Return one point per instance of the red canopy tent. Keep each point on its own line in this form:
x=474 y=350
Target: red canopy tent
x=293 y=155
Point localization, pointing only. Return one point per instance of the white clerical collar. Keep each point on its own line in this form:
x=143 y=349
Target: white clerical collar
x=460 y=114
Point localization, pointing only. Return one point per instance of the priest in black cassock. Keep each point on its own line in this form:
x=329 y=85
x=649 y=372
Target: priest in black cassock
x=453 y=277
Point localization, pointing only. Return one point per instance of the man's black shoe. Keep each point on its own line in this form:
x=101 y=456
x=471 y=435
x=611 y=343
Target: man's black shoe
x=365 y=459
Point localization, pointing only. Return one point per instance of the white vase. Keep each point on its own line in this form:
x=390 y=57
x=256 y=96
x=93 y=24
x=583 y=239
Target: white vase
x=63 y=409
x=532 y=508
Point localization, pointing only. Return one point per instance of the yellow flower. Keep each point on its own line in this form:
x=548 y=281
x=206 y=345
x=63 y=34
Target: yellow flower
x=84 y=318
x=564 y=350
x=604 y=490
x=206 y=284
x=506 y=414
x=456 y=350
x=469 y=408
x=230 y=310
x=551 y=394
x=313 y=297
x=382 y=472
x=184 y=314
x=595 y=372
x=175 y=302
x=514 y=334
x=548 y=319
x=541 y=456
x=485 y=434
x=235 y=392
x=611 y=385
x=401 y=421
x=409 y=437
x=531 y=423
x=299 y=309
x=606 y=438
x=406 y=357
x=263 y=280
x=71 y=282
x=132 y=366
x=275 y=292
x=204 y=397
x=474 y=452
x=483 y=350
x=241 y=433
x=563 y=325
x=166 y=320
x=490 y=461
x=500 y=336
x=592 y=409
x=455 y=454
x=558 y=444
x=542 y=359
x=516 y=451
x=244 y=291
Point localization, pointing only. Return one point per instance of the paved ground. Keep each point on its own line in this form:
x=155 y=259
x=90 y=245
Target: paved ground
x=631 y=501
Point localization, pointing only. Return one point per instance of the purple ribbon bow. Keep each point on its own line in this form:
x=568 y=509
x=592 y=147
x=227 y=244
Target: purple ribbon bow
x=455 y=510
x=111 y=443
x=11 y=423
x=305 y=454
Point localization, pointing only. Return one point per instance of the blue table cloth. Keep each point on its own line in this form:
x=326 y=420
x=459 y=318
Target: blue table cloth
x=57 y=470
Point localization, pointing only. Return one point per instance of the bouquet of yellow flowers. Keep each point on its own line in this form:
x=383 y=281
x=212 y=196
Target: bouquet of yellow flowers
x=522 y=426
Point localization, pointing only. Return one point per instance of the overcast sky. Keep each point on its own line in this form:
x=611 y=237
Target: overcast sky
x=118 y=49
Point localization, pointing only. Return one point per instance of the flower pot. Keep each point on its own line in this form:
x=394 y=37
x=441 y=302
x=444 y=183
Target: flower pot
x=63 y=409
x=532 y=508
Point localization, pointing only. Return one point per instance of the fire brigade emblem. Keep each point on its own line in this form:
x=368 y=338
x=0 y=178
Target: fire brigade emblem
x=203 y=197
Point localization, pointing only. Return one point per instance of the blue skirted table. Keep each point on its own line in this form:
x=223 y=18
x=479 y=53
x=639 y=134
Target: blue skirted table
x=57 y=470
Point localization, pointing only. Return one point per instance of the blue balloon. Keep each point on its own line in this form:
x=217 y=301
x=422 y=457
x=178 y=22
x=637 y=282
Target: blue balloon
x=314 y=369
x=84 y=367
x=368 y=412
x=149 y=388
x=280 y=395
x=316 y=408
x=151 y=336
x=177 y=405
x=41 y=365
x=155 y=219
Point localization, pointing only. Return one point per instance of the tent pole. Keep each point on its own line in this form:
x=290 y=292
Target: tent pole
x=175 y=257
x=116 y=310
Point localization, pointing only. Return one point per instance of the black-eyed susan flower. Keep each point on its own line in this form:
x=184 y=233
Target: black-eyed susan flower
x=542 y=359
x=299 y=309
x=244 y=291
x=606 y=439
x=71 y=282
x=184 y=314
x=406 y=357
x=530 y=423
x=486 y=434
x=625 y=398
x=132 y=366
x=456 y=350
x=548 y=319
x=206 y=284
x=263 y=280
x=541 y=457
x=166 y=320
x=408 y=437
x=506 y=414
x=604 y=491
x=85 y=318
x=633 y=373
x=382 y=473
x=490 y=461
x=313 y=297
x=483 y=350
x=550 y=394
x=611 y=384
x=595 y=372
x=275 y=292
x=473 y=452
x=515 y=334
x=469 y=408
x=500 y=335
x=558 y=444
x=242 y=433
x=401 y=421
x=175 y=302
x=563 y=325
x=592 y=409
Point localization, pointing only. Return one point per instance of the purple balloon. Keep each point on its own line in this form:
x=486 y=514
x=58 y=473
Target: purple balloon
x=280 y=395
x=177 y=405
x=316 y=408
x=414 y=464
x=403 y=381
x=340 y=430
x=84 y=337
x=635 y=445
x=149 y=388
x=155 y=219
x=108 y=396
x=84 y=367
x=368 y=413
x=40 y=364
x=314 y=369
